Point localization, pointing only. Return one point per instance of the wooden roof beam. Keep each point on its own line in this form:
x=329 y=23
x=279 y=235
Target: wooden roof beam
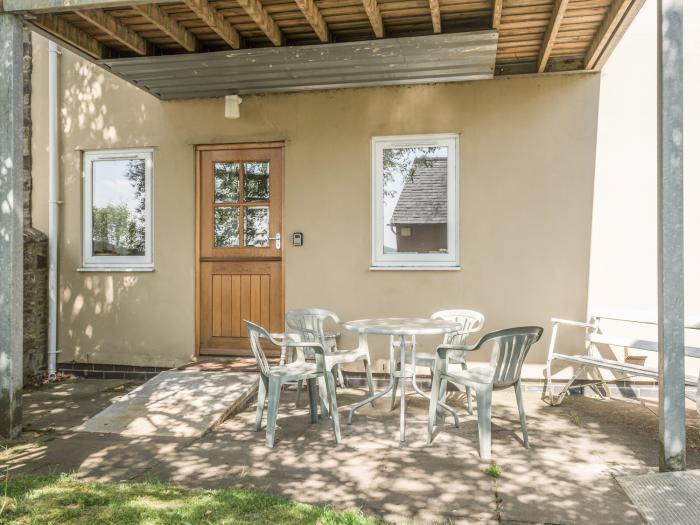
x=619 y=32
x=69 y=33
x=375 y=17
x=168 y=25
x=48 y=6
x=435 y=15
x=216 y=21
x=315 y=18
x=497 y=12
x=260 y=16
x=607 y=28
x=551 y=35
x=115 y=29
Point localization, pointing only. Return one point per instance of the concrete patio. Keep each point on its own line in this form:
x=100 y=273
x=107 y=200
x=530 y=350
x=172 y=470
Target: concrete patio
x=567 y=476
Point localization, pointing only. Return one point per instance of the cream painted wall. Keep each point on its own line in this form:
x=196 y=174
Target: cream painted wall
x=527 y=165
x=623 y=249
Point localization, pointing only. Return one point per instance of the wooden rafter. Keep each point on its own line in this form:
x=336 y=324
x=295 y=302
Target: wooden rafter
x=551 y=35
x=69 y=33
x=260 y=16
x=615 y=13
x=435 y=15
x=497 y=11
x=47 y=6
x=115 y=29
x=617 y=35
x=315 y=18
x=216 y=21
x=168 y=25
x=375 y=17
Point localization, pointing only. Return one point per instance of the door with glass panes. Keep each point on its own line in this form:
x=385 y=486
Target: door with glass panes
x=240 y=250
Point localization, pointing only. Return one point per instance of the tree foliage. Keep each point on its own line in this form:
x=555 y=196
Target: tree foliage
x=117 y=230
x=401 y=164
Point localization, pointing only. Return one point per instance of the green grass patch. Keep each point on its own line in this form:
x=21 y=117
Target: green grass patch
x=34 y=500
x=573 y=417
x=493 y=470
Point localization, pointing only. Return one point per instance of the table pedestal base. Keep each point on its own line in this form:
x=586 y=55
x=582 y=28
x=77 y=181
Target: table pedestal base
x=401 y=376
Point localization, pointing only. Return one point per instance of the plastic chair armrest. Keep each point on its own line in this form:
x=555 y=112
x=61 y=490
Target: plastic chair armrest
x=443 y=349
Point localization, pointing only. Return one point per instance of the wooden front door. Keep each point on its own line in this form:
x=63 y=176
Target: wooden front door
x=240 y=277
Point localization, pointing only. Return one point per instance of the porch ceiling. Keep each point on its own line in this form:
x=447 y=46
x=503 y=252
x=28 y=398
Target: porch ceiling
x=533 y=35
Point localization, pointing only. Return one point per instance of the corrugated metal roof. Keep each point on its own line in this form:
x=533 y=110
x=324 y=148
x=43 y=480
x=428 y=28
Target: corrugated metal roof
x=423 y=199
x=398 y=61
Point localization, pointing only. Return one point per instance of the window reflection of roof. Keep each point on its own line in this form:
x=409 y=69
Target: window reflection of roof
x=423 y=199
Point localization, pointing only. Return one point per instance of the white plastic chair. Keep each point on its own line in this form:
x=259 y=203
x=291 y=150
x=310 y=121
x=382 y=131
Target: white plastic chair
x=307 y=324
x=272 y=379
x=470 y=321
x=510 y=347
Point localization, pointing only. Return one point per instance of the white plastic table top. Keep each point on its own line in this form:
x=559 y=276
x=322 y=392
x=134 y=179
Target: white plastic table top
x=402 y=326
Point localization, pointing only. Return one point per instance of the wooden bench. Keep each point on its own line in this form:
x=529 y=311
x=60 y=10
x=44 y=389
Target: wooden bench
x=592 y=362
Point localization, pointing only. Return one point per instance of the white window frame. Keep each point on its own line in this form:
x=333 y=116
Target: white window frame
x=116 y=262
x=416 y=261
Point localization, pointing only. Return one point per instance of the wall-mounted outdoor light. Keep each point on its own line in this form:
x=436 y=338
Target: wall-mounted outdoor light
x=232 y=108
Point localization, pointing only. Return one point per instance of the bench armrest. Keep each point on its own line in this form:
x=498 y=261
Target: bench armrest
x=556 y=322
x=567 y=322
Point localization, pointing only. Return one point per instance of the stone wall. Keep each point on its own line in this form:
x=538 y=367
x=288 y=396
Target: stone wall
x=35 y=247
x=36 y=314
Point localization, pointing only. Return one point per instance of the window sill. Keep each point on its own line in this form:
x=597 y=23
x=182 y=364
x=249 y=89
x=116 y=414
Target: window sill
x=416 y=268
x=116 y=269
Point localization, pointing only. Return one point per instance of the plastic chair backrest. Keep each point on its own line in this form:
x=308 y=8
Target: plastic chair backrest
x=255 y=332
x=471 y=321
x=308 y=323
x=510 y=347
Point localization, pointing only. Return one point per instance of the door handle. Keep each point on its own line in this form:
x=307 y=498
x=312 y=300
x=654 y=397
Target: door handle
x=278 y=240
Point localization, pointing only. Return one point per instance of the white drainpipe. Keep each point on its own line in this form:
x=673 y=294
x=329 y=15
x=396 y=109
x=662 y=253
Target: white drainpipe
x=53 y=206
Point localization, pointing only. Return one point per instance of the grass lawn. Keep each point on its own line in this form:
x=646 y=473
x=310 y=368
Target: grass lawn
x=33 y=500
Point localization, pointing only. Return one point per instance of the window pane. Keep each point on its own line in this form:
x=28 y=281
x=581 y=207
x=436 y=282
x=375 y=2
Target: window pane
x=119 y=207
x=226 y=181
x=257 y=181
x=415 y=199
x=226 y=227
x=257 y=226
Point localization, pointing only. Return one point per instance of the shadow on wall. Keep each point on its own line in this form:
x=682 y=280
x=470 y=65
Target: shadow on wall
x=98 y=311
x=91 y=304
x=83 y=109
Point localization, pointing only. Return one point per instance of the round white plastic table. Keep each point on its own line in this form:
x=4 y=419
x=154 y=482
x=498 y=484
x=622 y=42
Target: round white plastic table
x=401 y=327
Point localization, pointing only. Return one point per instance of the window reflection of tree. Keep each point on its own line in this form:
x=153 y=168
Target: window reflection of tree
x=226 y=181
x=117 y=229
x=226 y=227
x=402 y=162
x=257 y=181
x=257 y=227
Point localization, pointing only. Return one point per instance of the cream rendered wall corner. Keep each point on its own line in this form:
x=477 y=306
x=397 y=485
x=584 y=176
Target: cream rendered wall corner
x=623 y=248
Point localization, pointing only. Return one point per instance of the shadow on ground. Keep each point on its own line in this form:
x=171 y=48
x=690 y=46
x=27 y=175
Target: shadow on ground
x=567 y=475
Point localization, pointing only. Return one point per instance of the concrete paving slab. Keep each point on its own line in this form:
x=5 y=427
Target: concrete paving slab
x=367 y=470
x=175 y=403
x=58 y=407
x=566 y=476
x=96 y=457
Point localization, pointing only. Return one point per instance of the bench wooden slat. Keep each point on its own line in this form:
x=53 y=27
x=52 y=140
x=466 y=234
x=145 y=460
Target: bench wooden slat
x=638 y=344
x=618 y=366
